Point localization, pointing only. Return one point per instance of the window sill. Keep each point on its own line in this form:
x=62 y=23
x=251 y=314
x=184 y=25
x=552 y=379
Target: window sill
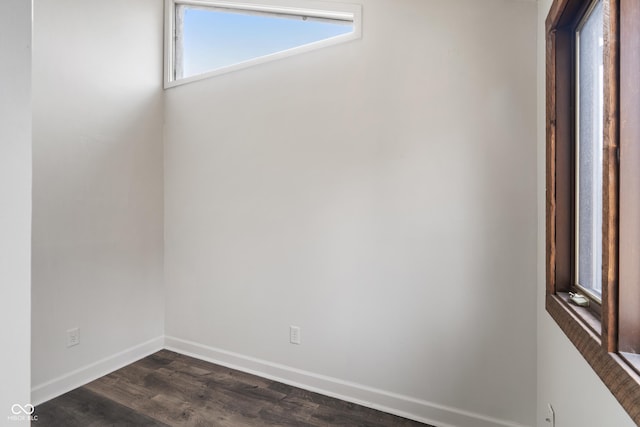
x=632 y=359
x=586 y=315
x=621 y=379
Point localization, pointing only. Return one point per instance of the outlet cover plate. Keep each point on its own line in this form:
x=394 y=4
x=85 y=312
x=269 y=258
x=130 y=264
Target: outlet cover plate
x=73 y=337
x=294 y=335
x=551 y=416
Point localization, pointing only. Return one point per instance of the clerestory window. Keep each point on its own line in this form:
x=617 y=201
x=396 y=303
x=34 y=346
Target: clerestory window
x=207 y=38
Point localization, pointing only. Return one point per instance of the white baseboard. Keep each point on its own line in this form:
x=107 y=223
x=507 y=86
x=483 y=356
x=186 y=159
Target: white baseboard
x=65 y=383
x=404 y=406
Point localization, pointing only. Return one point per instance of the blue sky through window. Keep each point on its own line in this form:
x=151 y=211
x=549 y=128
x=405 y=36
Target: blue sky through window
x=214 y=39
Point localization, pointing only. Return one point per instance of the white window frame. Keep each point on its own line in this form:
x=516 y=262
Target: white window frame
x=337 y=11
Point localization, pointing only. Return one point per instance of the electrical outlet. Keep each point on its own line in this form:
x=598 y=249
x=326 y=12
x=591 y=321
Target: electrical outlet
x=73 y=337
x=294 y=334
x=551 y=416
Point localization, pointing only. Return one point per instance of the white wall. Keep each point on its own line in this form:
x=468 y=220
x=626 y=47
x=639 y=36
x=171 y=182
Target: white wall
x=98 y=185
x=338 y=191
x=378 y=194
x=15 y=204
x=564 y=378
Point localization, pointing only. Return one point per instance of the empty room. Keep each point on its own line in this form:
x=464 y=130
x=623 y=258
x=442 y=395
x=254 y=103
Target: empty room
x=320 y=212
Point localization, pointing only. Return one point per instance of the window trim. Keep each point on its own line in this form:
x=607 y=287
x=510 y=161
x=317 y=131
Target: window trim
x=595 y=338
x=334 y=11
x=629 y=290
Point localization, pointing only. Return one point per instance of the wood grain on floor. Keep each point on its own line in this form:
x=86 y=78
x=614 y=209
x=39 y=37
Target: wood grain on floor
x=170 y=389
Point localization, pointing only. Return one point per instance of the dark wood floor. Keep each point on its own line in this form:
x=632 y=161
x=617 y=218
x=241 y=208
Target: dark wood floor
x=169 y=389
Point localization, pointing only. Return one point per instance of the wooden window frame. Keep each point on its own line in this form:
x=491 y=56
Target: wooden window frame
x=603 y=336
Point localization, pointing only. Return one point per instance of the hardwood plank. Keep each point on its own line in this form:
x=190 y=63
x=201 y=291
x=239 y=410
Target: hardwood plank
x=171 y=389
x=84 y=408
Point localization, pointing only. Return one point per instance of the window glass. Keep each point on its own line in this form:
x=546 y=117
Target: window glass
x=590 y=112
x=211 y=38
